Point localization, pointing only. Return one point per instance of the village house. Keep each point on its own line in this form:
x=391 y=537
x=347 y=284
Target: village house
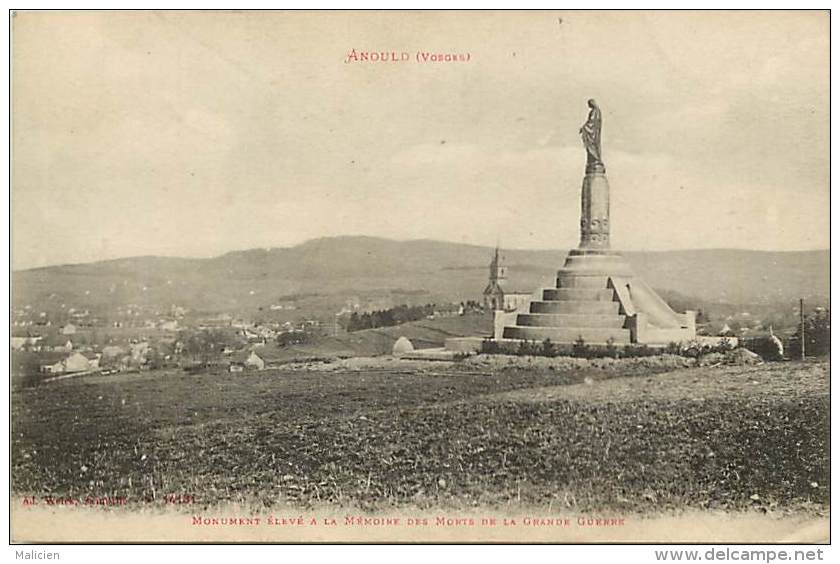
x=110 y=351
x=112 y=356
x=56 y=343
x=139 y=352
x=76 y=362
x=56 y=368
x=20 y=342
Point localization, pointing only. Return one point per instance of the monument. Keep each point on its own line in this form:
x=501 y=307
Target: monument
x=596 y=296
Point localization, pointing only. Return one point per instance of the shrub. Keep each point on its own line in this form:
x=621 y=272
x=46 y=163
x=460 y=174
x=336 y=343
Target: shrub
x=612 y=350
x=490 y=346
x=548 y=348
x=694 y=349
x=724 y=345
x=528 y=348
x=673 y=348
x=636 y=351
x=579 y=349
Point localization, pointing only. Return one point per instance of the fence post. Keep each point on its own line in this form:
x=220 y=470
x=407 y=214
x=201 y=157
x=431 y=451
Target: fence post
x=802 y=328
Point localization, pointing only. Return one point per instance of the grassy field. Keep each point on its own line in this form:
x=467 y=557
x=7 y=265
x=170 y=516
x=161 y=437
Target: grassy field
x=628 y=441
x=423 y=334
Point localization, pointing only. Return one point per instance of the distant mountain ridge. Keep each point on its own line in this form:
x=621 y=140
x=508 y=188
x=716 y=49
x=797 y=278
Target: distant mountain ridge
x=433 y=270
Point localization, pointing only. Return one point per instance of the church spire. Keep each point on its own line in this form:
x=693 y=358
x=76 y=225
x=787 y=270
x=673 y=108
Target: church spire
x=497 y=271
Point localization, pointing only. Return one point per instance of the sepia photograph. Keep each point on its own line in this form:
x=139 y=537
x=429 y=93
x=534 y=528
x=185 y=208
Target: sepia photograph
x=420 y=276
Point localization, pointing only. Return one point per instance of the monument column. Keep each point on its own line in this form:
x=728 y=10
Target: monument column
x=592 y=263
x=595 y=212
x=595 y=193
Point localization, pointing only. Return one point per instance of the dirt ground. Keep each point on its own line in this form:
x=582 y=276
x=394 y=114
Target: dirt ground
x=636 y=440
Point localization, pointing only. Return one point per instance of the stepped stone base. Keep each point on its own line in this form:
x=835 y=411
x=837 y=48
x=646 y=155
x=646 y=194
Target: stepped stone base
x=576 y=307
x=568 y=334
x=596 y=298
x=568 y=321
x=577 y=294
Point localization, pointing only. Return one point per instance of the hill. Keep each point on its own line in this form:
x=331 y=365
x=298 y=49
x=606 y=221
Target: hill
x=318 y=276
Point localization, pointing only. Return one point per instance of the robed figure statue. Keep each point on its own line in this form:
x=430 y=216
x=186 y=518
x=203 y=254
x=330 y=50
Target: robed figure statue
x=591 y=135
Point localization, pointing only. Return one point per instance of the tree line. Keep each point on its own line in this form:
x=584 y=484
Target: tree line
x=388 y=317
x=405 y=313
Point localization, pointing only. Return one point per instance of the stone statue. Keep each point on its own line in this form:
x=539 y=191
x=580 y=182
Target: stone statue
x=591 y=135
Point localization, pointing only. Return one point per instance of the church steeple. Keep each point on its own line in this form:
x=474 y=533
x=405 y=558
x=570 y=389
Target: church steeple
x=494 y=293
x=498 y=272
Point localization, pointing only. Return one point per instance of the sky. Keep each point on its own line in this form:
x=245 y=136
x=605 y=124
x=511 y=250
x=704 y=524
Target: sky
x=198 y=133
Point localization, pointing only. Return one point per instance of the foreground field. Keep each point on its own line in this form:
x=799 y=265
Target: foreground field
x=627 y=441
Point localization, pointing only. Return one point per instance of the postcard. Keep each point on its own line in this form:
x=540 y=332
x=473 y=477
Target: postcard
x=420 y=276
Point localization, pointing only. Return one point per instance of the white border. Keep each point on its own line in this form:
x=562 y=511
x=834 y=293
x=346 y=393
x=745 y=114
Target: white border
x=352 y=554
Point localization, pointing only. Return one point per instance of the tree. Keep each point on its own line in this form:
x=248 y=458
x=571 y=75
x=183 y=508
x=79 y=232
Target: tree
x=817 y=333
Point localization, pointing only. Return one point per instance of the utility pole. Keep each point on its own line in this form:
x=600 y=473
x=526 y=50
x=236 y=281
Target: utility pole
x=802 y=328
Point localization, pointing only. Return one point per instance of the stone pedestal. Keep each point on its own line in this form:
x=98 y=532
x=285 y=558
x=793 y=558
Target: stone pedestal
x=590 y=268
x=595 y=212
